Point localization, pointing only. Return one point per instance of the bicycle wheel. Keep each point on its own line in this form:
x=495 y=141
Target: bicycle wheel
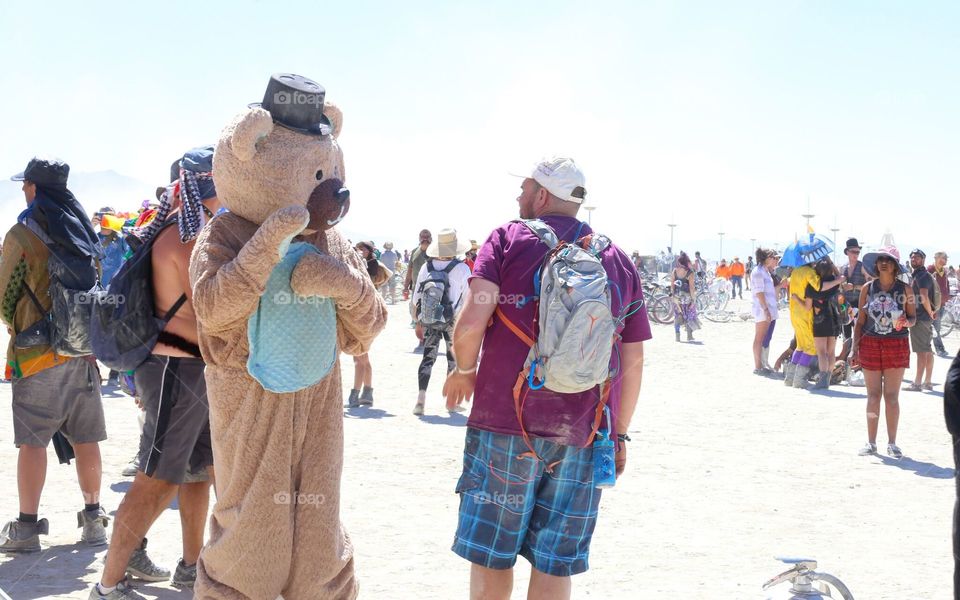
x=703 y=302
x=661 y=310
x=947 y=323
x=717 y=315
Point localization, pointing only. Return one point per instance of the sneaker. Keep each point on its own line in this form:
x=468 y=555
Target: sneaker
x=23 y=537
x=418 y=409
x=142 y=567
x=123 y=590
x=762 y=371
x=912 y=388
x=868 y=449
x=943 y=354
x=94 y=525
x=927 y=386
x=185 y=576
x=132 y=467
x=894 y=451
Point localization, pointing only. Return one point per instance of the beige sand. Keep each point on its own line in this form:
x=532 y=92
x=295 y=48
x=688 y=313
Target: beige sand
x=726 y=470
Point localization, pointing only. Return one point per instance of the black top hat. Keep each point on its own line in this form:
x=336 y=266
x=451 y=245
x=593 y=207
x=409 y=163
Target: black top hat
x=45 y=172
x=296 y=103
x=851 y=244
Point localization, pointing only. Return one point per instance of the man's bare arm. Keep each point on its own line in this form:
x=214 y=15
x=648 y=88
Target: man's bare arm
x=631 y=358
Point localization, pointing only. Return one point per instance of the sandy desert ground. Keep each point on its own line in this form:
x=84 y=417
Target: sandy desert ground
x=726 y=470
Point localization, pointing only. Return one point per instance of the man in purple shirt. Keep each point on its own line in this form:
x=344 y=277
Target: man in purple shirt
x=538 y=500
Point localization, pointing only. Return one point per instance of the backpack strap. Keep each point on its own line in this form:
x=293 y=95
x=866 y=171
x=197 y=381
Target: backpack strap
x=173 y=309
x=450 y=267
x=36 y=301
x=544 y=232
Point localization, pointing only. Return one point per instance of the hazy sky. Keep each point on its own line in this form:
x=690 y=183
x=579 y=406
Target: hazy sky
x=719 y=116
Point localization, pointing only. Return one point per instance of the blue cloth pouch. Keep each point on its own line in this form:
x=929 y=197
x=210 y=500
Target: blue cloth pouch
x=293 y=339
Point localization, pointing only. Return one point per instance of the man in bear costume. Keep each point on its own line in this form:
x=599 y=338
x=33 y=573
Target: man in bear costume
x=278 y=294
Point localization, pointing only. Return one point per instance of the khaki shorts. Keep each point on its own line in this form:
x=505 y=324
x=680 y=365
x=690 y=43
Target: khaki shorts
x=66 y=398
x=921 y=334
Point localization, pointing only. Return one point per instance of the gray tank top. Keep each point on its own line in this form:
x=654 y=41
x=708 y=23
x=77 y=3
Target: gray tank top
x=884 y=308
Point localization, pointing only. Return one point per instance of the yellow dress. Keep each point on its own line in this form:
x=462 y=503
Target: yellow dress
x=800 y=317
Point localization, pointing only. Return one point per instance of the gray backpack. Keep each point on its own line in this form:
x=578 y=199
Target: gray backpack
x=435 y=309
x=572 y=350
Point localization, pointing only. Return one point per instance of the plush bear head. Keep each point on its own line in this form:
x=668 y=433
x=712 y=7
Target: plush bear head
x=260 y=166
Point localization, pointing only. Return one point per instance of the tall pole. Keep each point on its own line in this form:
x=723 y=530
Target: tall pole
x=671 y=226
x=808 y=216
x=721 y=234
x=589 y=210
x=834 y=229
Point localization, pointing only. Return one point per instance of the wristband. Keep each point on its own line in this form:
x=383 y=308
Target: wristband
x=466 y=371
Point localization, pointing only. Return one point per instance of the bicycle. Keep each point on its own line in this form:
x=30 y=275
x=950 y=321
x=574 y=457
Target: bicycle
x=950 y=317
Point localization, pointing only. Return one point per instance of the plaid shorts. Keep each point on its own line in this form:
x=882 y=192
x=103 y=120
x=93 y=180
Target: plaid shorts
x=511 y=505
x=883 y=352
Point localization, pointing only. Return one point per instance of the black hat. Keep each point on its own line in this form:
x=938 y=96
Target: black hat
x=296 y=103
x=918 y=251
x=851 y=244
x=45 y=172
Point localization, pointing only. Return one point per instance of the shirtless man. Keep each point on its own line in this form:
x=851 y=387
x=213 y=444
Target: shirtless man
x=175 y=442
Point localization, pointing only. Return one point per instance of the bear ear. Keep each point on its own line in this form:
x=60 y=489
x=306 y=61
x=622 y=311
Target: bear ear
x=336 y=117
x=252 y=126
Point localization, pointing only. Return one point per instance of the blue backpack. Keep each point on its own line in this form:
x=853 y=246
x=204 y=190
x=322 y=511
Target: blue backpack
x=124 y=327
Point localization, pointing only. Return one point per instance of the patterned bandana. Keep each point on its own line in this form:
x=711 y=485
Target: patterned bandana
x=194 y=188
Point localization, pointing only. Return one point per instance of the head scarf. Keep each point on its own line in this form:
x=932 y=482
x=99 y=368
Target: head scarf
x=56 y=210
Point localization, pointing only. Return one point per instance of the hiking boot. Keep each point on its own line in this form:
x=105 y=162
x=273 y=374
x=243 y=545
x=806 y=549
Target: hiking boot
x=132 y=467
x=894 y=451
x=185 y=576
x=689 y=335
x=823 y=381
x=354 y=400
x=123 y=591
x=868 y=449
x=366 y=396
x=23 y=537
x=677 y=331
x=141 y=567
x=94 y=523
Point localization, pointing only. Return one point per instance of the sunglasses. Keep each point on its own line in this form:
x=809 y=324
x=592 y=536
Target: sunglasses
x=853 y=252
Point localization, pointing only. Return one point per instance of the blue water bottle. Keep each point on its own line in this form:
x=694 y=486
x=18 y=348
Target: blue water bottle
x=604 y=456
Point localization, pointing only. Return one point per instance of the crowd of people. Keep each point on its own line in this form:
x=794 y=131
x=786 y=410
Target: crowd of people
x=530 y=421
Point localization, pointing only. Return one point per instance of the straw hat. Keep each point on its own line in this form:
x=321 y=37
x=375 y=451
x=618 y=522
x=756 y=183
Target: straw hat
x=447 y=244
x=388 y=245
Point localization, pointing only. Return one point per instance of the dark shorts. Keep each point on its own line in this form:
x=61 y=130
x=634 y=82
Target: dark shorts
x=176 y=430
x=878 y=353
x=510 y=506
x=921 y=336
x=66 y=398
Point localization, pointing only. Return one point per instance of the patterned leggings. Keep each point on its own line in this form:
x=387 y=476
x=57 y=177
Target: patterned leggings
x=431 y=346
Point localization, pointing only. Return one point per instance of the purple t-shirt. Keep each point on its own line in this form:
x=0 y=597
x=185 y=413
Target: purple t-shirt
x=509 y=258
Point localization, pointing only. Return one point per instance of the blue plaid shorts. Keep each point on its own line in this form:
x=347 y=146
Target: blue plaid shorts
x=511 y=505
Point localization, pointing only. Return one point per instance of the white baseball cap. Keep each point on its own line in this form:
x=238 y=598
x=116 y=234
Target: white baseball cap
x=561 y=177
